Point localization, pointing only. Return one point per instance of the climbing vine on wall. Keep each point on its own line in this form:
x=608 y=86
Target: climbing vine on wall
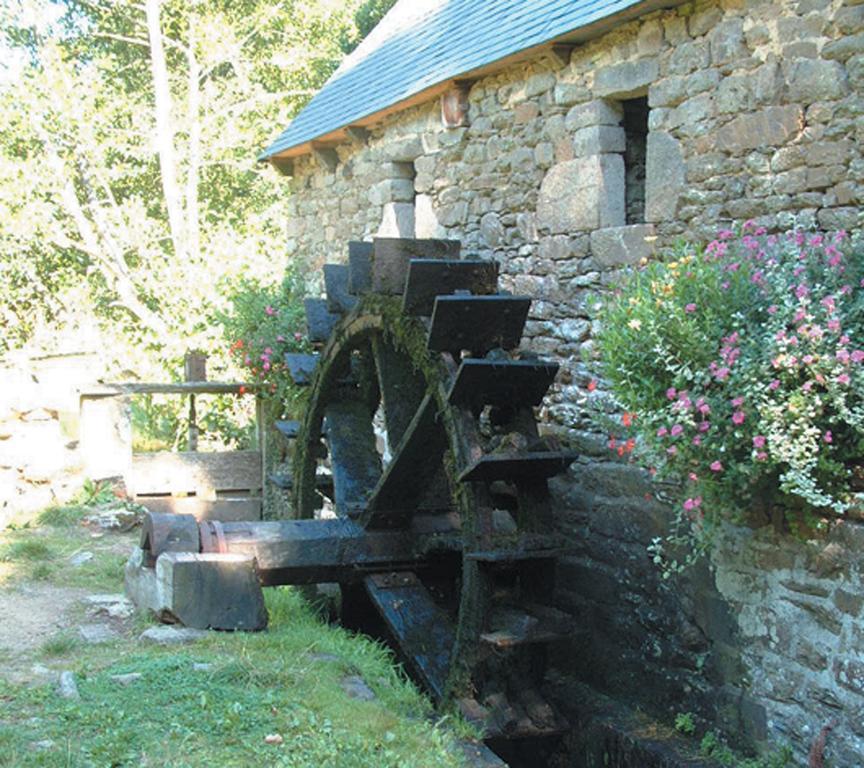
x=740 y=366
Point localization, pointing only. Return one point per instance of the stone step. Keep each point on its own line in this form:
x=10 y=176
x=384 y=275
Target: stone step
x=505 y=383
x=429 y=278
x=502 y=717
x=477 y=323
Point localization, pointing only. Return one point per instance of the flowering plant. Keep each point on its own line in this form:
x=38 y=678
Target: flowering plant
x=264 y=323
x=741 y=369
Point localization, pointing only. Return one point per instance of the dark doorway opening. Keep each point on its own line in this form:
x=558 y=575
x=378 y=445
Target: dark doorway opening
x=635 y=154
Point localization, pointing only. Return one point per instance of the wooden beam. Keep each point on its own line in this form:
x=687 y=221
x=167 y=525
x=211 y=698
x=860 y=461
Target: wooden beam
x=326 y=157
x=284 y=165
x=179 y=388
x=560 y=53
x=357 y=135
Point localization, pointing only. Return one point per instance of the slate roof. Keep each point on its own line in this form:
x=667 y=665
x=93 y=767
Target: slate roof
x=422 y=43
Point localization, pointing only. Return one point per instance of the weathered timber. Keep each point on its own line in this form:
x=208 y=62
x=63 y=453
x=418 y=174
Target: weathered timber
x=354 y=456
x=424 y=632
x=168 y=533
x=415 y=461
x=301 y=368
x=402 y=388
x=518 y=466
x=477 y=323
x=310 y=551
x=429 y=278
x=178 y=388
x=392 y=255
x=503 y=383
x=510 y=627
x=359 y=267
x=204 y=474
x=203 y=509
x=283 y=480
x=320 y=322
x=339 y=300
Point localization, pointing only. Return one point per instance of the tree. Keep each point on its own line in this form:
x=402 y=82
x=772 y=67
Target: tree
x=127 y=156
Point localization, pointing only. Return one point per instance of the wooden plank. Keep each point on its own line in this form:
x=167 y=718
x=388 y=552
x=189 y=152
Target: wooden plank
x=530 y=465
x=204 y=474
x=423 y=631
x=203 y=509
x=301 y=368
x=512 y=627
x=504 y=383
x=477 y=323
x=428 y=278
x=288 y=429
x=178 y=388
x=359 y=267
x=406 y=478
x=354 y=456
x=319 y=321
x=392 y=255
x=339 y=300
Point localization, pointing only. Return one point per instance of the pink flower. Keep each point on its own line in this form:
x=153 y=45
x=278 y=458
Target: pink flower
x=691 y=504
x=858 y=356
x=677 y=429
x=737 y=402
x=269 y=311
x=774 y=384
x=759 y=441
x=280 y=338
x=738 y=417
x=298 y=336
x=671 y=450
x=697 y=440
x=828 y=303
x=268 y=351
x=801 y=291
x=828 y=437
x=671 y=393
x=266 y=365
x=693 y=477
x=833 y=325
x=662 y=432
x=772 y=310
x=716 y=466
x=761 y=456
x=690 y=308
x=722 y=374
x=704 y=426
x=843 y=378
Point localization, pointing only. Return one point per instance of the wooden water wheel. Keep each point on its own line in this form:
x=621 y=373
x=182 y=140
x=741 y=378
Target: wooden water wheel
x=420 y=431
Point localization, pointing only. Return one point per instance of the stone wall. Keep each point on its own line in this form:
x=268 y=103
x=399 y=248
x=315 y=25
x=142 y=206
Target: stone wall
x=755 y=112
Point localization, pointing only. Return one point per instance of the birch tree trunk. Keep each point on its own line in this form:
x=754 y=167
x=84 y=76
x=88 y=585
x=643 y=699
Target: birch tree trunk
x=164 y=131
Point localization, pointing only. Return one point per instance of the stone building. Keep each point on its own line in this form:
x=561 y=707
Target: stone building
x=566 y=140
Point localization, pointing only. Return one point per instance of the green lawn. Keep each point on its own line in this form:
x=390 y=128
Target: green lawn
x=212 y=703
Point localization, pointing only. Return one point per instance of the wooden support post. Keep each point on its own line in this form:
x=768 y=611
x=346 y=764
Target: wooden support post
x=193 y=425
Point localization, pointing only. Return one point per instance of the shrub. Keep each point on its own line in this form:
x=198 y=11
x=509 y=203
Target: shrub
x=264 y=323
x=742 y=374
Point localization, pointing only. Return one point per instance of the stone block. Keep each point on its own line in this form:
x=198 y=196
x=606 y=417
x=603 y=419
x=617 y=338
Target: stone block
x=597 y=139
x=626 y=79
x=582 y=194
x=425 y=220
x=617 y=246
x=403 y=150
x=844 y=48
x=812 y=80
x=704 y=21
x=397 y=220
x=201 y=591
x=769 y=127
x=727 y=42
x=597 y=112
x=664 y=177
x=566 y=94
x=689 y=57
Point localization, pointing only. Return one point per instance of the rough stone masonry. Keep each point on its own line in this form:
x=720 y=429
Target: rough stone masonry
x=751 y=110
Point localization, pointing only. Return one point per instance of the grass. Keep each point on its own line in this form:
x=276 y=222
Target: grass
x=285 y=682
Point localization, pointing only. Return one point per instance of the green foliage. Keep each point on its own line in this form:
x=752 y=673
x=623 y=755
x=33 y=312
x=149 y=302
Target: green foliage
x=60 y=645
x=742 y=374
x=110 y=217
x=685 y=723
x=26 y=548
x=62 y=516
x=284 y=682
x=93 y=493
x=714 y=747
x=366 y=18
x=264 y=323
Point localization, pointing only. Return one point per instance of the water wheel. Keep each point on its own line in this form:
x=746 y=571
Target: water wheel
x=420 y=427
